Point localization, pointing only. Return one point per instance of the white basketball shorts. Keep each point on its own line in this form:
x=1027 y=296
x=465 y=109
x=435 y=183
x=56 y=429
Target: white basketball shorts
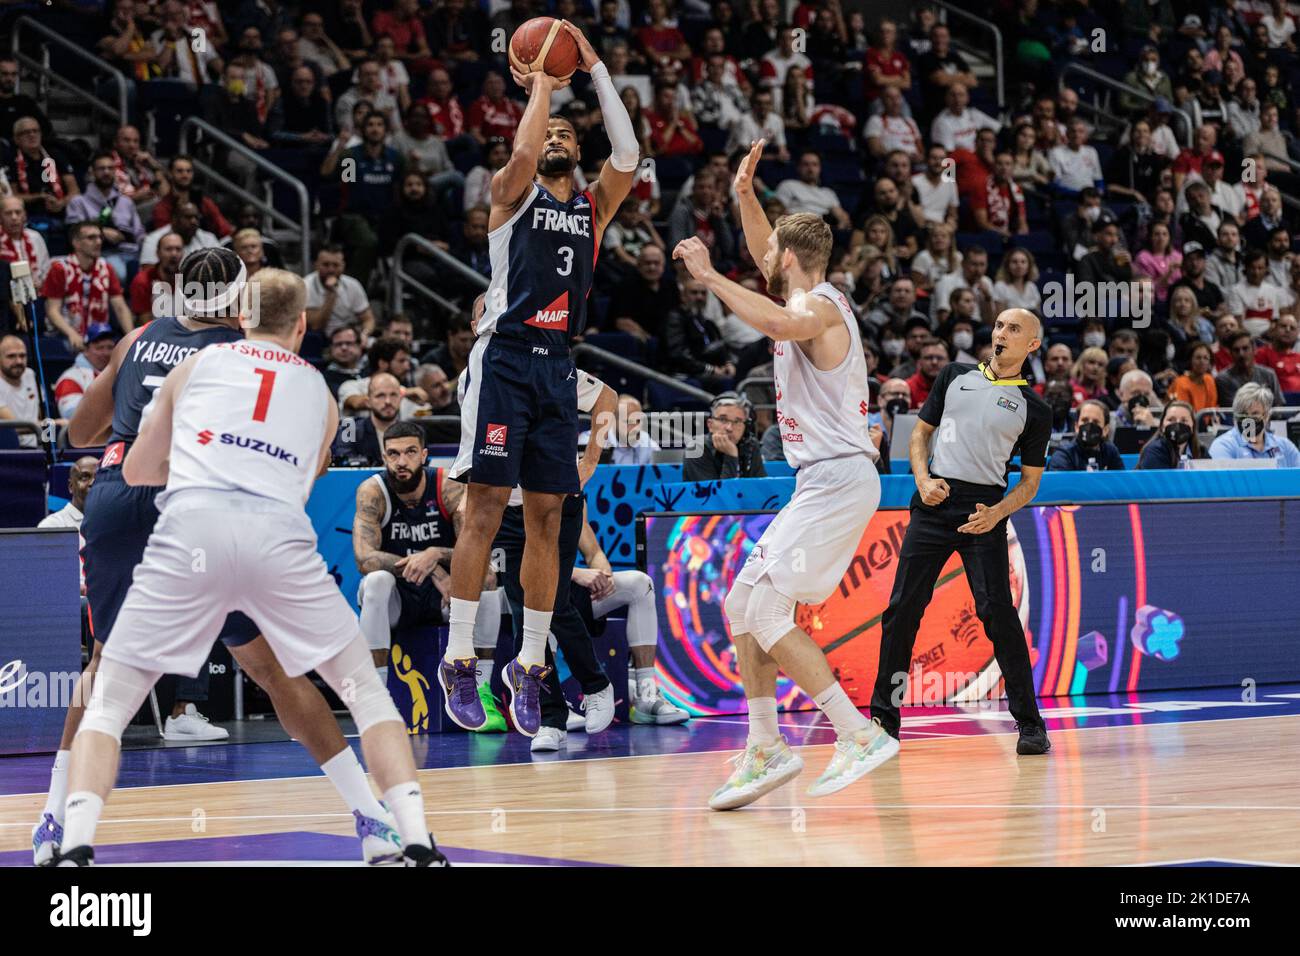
x=810 y=543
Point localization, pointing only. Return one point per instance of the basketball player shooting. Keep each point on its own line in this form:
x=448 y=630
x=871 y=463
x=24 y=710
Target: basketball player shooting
x=821 y=397
x=238 y=433
x=519 y=423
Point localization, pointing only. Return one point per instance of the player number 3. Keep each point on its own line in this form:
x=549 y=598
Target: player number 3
x=565 y=269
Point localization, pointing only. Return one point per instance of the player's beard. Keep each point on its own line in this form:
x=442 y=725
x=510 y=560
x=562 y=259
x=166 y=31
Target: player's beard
x=407 y=485
x=776 y=282
x=556 y=164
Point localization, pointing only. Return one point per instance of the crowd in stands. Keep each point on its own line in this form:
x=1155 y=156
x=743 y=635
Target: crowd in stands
x=1154 y=237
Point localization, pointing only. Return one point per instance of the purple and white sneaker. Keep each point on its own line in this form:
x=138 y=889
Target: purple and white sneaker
x=46 y=837
x=460 y=693
x=380 y=842
x=523 y=687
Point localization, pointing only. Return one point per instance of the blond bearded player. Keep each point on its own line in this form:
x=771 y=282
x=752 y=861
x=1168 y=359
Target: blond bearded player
x=822 y=399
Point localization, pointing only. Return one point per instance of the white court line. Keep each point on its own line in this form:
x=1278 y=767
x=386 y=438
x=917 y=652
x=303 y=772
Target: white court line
x=771 y=808
x=936 y=735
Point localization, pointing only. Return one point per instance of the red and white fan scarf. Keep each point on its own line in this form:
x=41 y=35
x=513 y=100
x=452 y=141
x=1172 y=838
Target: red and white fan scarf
x=85 y=313
x=10 y=252
x=56 y=181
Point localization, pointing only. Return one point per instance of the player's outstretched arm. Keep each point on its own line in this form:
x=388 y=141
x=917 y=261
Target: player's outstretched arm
x=93 y=418
x=147 y=461
x=367 y=535
x=752 y=218
x=800 y=319
x=512 y=181
x=619 y=170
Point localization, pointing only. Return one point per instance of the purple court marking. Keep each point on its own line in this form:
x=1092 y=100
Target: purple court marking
x=295 y=846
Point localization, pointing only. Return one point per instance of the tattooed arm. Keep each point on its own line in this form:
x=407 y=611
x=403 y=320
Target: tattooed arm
x=366 y=532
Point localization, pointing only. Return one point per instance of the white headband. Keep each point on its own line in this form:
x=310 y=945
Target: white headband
x=220 y=301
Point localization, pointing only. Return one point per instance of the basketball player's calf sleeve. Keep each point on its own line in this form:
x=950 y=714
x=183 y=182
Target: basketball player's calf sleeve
x=380 y=607
x=636 y=591
x=460 y=630
x=762 y=720
x=58 y=794
x=407 y=803
x=487 y=619
x=119 y=691
x=351 y=675
x=349 y=779
x=837 y=707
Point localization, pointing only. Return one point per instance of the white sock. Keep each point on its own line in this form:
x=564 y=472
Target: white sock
x=407 y=804
x=344 y=771
x=483 y=671
x=460 y=637
x=835 y=704
x=762 y=721
x=644 y=674
x=80 y=818
x=58 y=794
x=537 y=624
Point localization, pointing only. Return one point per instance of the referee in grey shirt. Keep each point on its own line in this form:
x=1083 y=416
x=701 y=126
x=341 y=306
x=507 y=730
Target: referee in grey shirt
x=984 y=415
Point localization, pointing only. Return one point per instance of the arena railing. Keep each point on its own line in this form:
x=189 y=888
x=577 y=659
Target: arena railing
x=302 y=226
x=1118 y=86
x=402 y=278
x=47 y=74
x=988 y=25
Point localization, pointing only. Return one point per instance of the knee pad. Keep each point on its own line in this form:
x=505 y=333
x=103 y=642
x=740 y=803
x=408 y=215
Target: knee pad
x=736 y=605
x=769 y=616
x=352 y=676
x=642 y=617
x=376 y=587
x=119 y=691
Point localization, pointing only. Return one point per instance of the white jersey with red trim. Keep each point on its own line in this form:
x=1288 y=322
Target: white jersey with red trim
x=251 y=420
x=823 y=414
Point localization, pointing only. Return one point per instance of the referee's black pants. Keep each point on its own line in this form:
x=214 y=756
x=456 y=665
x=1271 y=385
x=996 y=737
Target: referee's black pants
x=931 y=538
x=566 y=621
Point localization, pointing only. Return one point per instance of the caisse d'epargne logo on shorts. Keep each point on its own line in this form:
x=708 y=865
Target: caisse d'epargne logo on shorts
x=494 y=441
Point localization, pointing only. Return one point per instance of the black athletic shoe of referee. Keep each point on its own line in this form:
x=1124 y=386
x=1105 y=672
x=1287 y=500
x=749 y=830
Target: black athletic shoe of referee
x=980 y=417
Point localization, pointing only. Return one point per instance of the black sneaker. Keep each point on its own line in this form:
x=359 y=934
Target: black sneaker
x=1033 y=739
x=417 y=855
x=77 y=856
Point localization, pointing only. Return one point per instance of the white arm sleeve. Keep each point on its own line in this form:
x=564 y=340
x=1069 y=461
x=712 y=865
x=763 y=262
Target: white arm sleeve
x=625 y=154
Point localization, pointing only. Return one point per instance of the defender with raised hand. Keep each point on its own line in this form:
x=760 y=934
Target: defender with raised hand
x=519 y=420
x=822 y=398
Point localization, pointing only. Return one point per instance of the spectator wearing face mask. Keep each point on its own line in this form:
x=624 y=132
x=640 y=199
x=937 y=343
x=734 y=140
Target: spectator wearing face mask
x=1251 y=438
x=1176 y=444
x=1089 y=451
x=959 y=332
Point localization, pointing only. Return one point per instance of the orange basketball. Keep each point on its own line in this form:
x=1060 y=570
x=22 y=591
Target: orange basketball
x=542 y=43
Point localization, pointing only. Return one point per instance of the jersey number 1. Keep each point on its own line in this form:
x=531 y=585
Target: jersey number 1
x=263 y=393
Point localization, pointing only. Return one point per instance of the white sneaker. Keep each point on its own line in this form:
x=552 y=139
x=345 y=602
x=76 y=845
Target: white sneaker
x=855 y=757
x=575 y=722
x=759 y=771
x=192 y=725
x=650 y=706
x=548 y=739
x=599 y=708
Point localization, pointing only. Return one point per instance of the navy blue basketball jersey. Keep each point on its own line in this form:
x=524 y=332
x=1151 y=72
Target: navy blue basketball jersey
x=163 y=345
x=425 y=523
x=542 y=264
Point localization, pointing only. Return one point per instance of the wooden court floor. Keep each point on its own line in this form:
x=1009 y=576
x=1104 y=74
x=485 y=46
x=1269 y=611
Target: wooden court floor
x=1145 y=794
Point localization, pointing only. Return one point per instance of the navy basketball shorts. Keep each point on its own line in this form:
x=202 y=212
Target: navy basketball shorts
x=119 y=519
x=420 y=603
x=519 y=417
